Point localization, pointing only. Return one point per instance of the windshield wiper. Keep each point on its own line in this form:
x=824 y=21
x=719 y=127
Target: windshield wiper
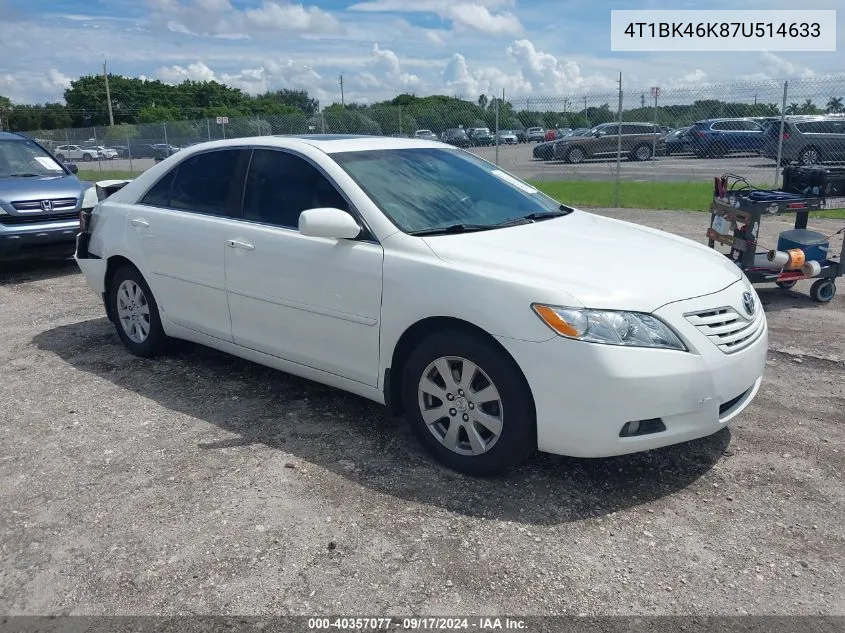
x=454 y=228
x=536 y=216
x=24 y=175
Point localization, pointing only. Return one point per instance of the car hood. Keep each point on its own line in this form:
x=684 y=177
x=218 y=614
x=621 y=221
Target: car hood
x=600 y=262
x=14 y=189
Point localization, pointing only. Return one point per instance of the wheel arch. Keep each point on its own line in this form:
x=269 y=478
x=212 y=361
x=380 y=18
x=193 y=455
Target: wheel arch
x=412 y=336
x=114 y=263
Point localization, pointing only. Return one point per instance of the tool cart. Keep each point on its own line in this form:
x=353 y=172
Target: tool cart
x=735 y=216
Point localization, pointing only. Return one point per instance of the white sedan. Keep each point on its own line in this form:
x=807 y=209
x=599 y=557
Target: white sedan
x=422 y=277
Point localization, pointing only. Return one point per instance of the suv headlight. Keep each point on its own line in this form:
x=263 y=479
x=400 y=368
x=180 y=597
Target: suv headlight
x=612 y=327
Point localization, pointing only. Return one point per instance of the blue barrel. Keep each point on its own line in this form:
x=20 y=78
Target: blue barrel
x=815 y=245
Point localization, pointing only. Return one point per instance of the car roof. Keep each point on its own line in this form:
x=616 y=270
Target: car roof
x=11 y=136
x=327 y=143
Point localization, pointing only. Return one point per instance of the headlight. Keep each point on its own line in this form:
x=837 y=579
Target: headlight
x=612 y=327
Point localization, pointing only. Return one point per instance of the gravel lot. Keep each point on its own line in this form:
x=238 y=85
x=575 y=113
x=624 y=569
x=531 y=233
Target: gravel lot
x=200 y=483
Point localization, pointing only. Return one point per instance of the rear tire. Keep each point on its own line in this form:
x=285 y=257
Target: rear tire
x=483 y=422
x=135 y=313
x=786 y=285
x=810 y=156
x=87 y=158
x=642 y=152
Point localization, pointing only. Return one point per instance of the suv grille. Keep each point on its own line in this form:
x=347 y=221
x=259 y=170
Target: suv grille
x=35 y=205
x=41 y=218
x=727 y=329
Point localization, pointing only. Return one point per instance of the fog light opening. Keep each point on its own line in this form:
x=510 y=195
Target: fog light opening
x=642 y=427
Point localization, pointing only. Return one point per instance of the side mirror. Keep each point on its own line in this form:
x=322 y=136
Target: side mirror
x=72 y=168
x=328 y=222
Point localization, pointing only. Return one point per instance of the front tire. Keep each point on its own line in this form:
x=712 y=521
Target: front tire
x=823 y=290
x=135 y=313
x=575 y=156
x=87 y=158
x=468 y=404
x=809 y=157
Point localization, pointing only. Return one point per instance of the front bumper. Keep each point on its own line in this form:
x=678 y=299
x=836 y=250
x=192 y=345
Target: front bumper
x=32 y=240
x=585 y=393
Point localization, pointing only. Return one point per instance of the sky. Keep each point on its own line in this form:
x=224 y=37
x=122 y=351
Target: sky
x=529 y=48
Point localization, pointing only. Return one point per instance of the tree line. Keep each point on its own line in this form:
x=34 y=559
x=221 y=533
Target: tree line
x=136 y=102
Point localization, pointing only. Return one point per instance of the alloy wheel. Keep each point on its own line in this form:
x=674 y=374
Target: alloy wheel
x=460 y=405
x=133 y=311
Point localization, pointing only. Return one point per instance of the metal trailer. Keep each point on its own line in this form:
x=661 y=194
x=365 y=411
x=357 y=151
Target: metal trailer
x=735 y=216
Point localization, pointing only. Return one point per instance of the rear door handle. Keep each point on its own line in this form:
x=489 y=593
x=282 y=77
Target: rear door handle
x=239 y=244
x=140 y=222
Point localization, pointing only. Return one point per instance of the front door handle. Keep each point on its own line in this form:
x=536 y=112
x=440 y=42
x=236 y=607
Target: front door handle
x=140 y=222
x=239 y=244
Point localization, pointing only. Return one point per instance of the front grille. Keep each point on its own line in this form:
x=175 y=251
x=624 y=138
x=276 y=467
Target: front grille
x=727 y=329
x=35 y=205
x=41 y=218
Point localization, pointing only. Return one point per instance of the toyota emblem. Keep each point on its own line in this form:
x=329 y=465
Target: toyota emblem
x=748 y=303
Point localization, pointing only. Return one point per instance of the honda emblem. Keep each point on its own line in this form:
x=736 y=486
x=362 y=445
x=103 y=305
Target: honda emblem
x=46 y=205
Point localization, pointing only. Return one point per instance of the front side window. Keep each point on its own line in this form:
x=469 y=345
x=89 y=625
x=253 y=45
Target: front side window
x=203 y=183
x=421 y=189
x=25 y=159
x=280 y=186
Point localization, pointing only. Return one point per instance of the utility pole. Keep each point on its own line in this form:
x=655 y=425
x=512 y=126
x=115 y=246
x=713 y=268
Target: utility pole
x=342 y=103
x=108 y=94
x=586 y=118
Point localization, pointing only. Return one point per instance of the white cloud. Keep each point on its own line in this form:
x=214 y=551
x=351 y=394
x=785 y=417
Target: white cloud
x=291 y=18
x=478 y=18
x=220 y=18
x=547 y=75
x=197 y=71
x=779 y=68
x=474 y=15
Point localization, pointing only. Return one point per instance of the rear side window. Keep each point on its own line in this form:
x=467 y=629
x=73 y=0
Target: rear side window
x=203 y=183
x=159 y=194
x=280 y=186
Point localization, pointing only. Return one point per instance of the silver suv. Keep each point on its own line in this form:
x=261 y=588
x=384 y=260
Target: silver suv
x=40 y=200
x=809 y=141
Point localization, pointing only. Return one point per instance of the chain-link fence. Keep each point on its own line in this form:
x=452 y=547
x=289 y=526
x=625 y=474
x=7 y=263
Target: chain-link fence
x=687 y=133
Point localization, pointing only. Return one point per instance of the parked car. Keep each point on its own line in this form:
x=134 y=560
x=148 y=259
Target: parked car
x=714 y=138
x=548 y=150
x=122 y=151
x=481 y=136
x=457 y=137
x=76 y=152
x=535 y=134
x=507 y=137
x=544 y=150
x=105 y=153
x=809 y=141
x=470 y=318
x=520 y=136
x=426 y=135
x=40 y=199
x=165 y=149
x=678 y=142
x=638 y=142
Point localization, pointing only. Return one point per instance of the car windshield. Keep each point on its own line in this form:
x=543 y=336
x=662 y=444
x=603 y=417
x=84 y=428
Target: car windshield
x=422 y=189
x=25 y=159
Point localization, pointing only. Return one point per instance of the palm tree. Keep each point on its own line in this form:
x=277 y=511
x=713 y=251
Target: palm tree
x=834 y=105
x=793 y=108
x=808 y=107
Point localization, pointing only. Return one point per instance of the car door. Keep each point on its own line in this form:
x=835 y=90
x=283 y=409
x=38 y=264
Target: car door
x=312 y=301
x=178 y=233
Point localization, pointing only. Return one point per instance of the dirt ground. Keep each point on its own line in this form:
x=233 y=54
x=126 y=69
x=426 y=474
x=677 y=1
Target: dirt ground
x=200 y=483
